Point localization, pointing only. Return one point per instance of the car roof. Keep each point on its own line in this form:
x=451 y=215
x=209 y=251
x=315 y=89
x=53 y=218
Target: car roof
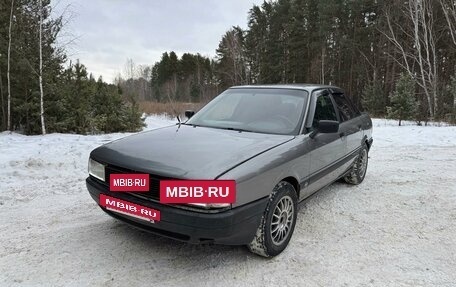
x=306 y=87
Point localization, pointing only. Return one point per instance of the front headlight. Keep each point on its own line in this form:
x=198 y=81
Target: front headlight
x=96 y=169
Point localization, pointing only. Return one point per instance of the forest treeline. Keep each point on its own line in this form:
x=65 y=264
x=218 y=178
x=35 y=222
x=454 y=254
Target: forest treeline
x=393 y=58
x=363 y=46
x=73 y=101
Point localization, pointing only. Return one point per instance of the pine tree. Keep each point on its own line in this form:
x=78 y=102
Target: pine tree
x=453 y=93
x=450 y=99
x=232 y=66
x=403 y=103
x=373 y=100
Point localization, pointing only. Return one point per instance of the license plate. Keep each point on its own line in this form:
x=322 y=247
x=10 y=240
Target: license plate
x=127 y=182
x=129 y=208
x=198 y=191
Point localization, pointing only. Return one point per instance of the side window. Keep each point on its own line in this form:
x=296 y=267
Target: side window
x=324 y=110
x=346 y=111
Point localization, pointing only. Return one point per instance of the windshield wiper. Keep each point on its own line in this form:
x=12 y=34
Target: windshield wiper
x=221 y=128
x=235 y=129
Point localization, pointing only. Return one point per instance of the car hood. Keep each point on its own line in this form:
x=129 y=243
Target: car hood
x=186 y=152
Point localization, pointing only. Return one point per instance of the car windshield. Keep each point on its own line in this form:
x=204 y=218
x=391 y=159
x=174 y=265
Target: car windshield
x=274 y=111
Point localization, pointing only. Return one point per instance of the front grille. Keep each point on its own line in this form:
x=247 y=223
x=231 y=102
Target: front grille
x=154 y=181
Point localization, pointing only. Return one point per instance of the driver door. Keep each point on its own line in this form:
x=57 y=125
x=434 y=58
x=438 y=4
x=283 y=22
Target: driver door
x=325 y=149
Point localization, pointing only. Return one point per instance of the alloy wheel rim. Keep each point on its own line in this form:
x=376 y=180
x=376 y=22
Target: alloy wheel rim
x=362 y=163
x=282 y=219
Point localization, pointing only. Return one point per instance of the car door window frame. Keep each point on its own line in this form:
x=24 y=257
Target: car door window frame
x=353 y=111
x=312 y=107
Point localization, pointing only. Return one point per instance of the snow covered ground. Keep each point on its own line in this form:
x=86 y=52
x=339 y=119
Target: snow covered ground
x=398 y=228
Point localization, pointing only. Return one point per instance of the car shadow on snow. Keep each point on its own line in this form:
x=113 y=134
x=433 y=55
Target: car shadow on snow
x=145 y=244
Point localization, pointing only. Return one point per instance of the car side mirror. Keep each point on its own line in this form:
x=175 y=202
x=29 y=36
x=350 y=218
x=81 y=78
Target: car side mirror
x=189 y=113
x=325 y=127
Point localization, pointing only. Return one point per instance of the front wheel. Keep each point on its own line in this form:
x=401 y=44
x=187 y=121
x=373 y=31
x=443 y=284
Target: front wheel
x=278 y=222
x=358 y=171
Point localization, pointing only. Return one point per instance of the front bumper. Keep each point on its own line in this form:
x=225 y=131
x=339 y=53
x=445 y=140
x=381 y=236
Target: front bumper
x=235 y=226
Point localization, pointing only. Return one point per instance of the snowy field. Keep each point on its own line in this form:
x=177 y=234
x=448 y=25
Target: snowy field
x=398 y=228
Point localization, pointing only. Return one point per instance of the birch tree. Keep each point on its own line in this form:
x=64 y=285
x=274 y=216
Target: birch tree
x=449 y=10
x=415 y=42
x=9 y=65
x=43 y=127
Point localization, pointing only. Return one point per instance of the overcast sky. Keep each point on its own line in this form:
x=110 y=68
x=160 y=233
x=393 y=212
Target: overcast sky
x=108 y=32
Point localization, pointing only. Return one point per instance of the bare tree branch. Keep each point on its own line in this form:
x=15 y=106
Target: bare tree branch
x=418 y=47
x=449 y=10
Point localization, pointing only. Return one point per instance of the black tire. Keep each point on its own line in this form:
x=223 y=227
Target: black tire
x=359 y=169
x=267 y=243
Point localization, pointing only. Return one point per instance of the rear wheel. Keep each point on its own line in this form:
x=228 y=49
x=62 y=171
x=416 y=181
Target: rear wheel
x=358 y=171
x=278 y=222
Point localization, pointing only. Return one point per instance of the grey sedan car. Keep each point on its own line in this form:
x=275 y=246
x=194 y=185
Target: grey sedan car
x=280 y=143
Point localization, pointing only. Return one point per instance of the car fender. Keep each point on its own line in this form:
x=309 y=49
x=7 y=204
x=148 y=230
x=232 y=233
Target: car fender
x=257 y=177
